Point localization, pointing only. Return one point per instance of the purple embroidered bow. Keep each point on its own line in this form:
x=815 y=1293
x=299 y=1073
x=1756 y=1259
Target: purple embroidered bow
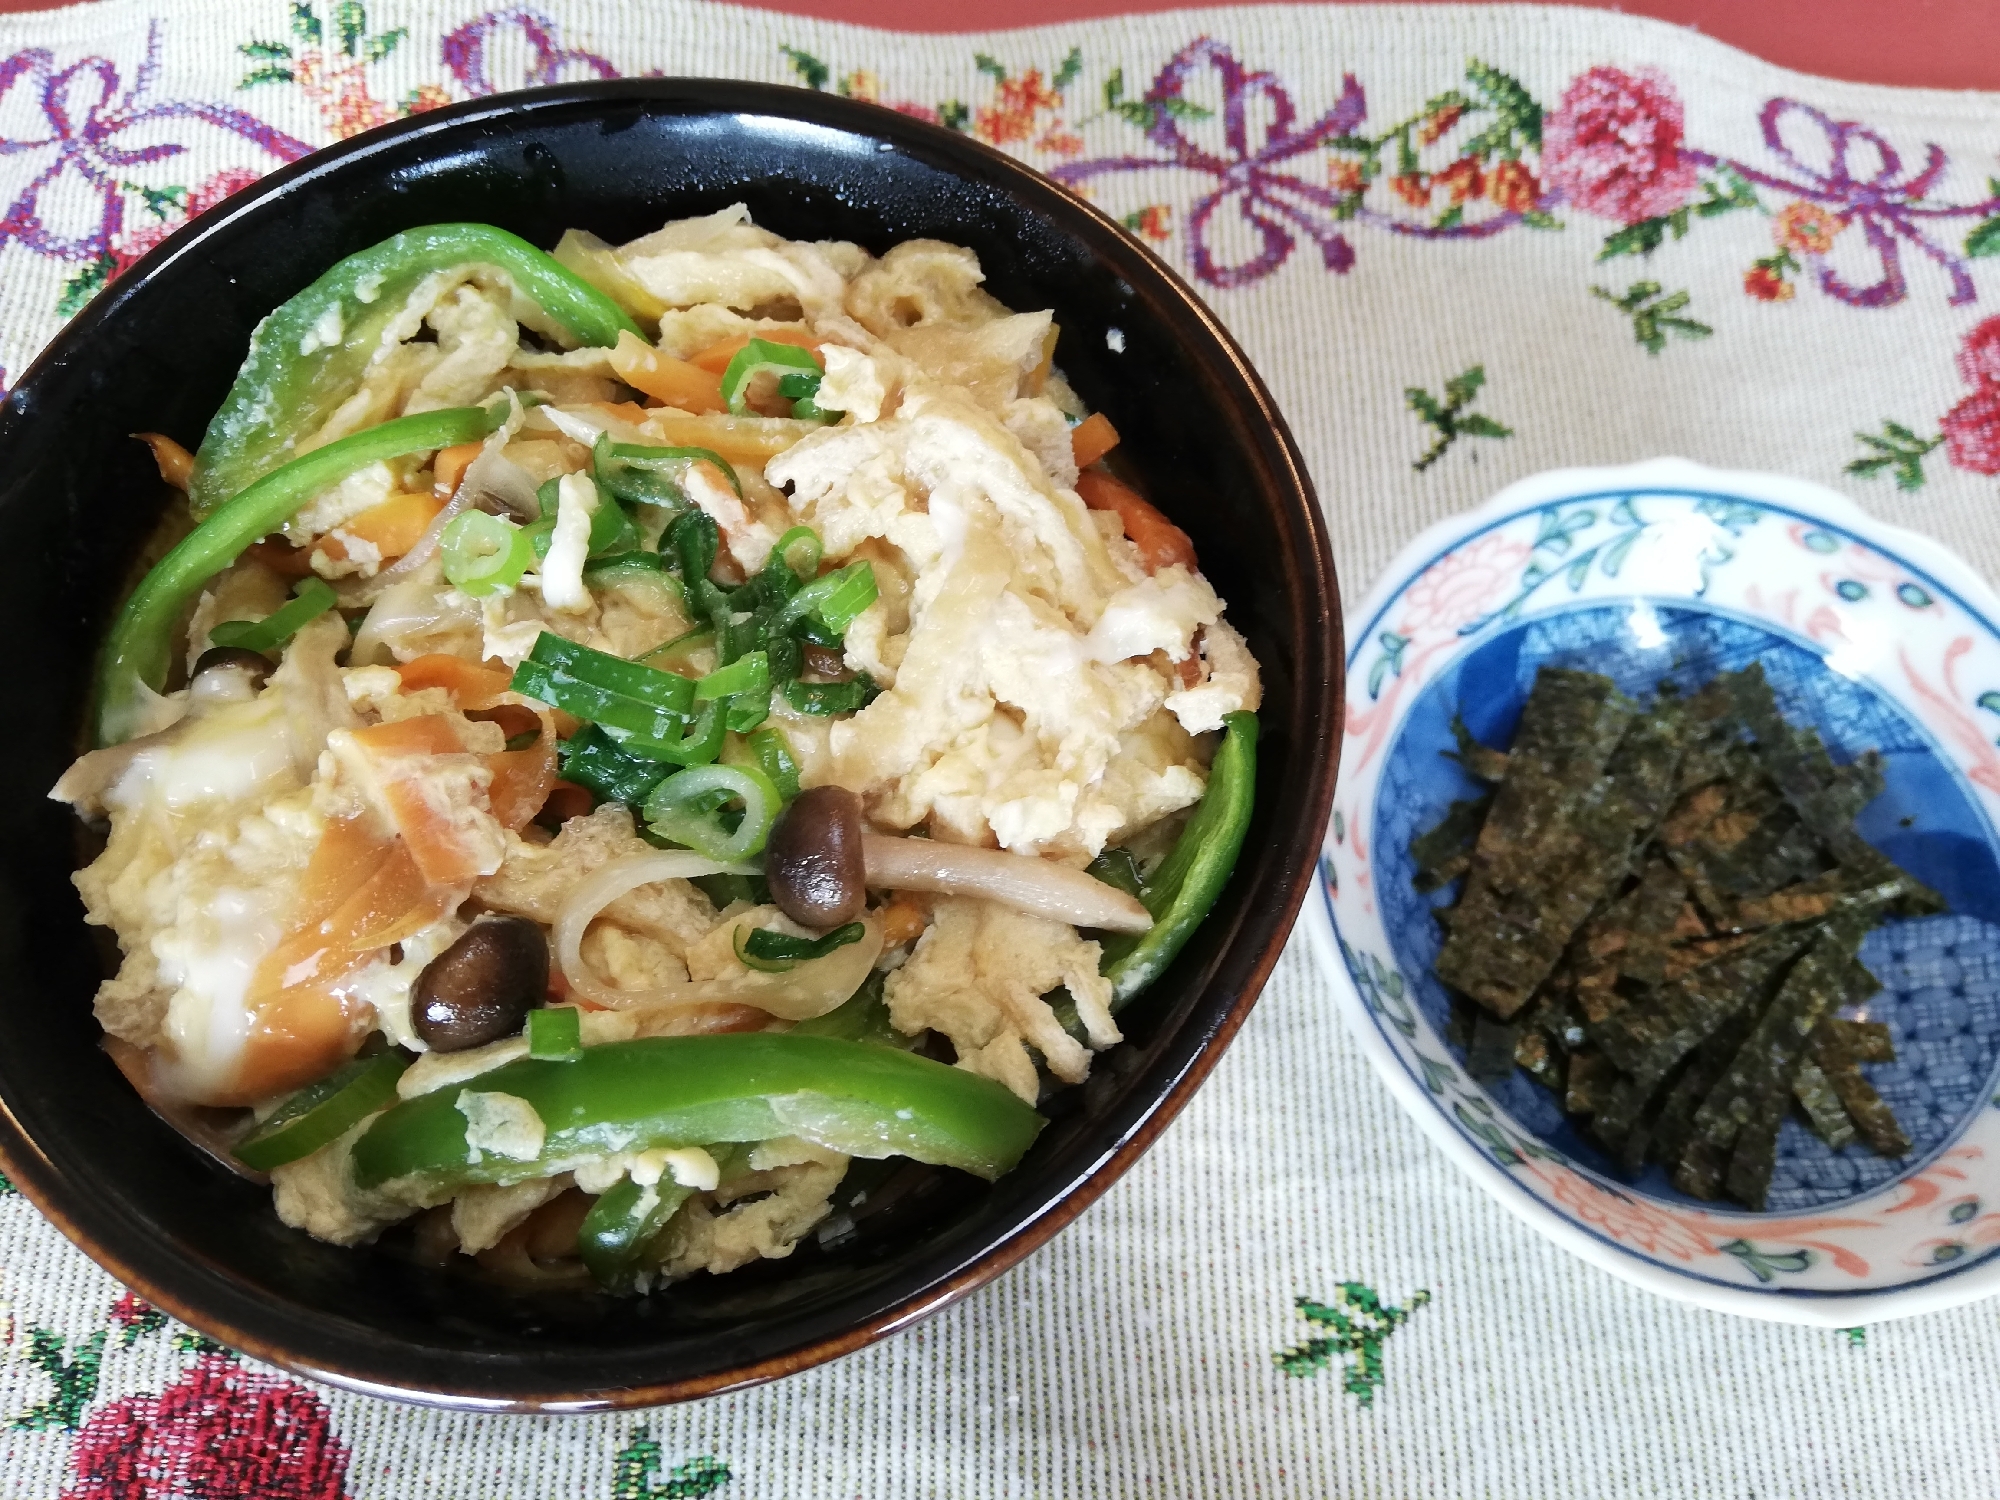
x=1275 y=205
x=86 y=114
x=464 y=52
x=1887 y=205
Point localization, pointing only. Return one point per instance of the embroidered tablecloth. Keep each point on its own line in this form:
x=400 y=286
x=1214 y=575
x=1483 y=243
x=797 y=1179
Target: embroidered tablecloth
x=1462 y=244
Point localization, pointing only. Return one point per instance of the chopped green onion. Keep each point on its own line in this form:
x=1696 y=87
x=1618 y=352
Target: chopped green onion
x=834 y=599
x=798 y=552
x=312 y=600
x=667 y=690
x=681 y=645
x=699 y=744
x=749 y=673
x=594 y=760
x=643 y=475
x=746 y=713
x=694 y=538
x=771 y=952
x=808 y=409
x=797 y=370
x=321 y=1113
x=586 y=700
x=555 y=1033
x=831 y=697
x=612 y=529
x=775 y=759
x=647 y=569
x=484 y=554
x=679 y=810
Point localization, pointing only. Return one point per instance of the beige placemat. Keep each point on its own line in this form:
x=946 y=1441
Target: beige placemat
x=1645 y=243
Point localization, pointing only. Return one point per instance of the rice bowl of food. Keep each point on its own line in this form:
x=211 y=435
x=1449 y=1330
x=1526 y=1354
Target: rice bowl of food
x=663 y=756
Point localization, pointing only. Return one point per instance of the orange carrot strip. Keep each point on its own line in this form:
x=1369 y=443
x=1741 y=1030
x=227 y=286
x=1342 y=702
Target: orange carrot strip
x=673 y=381
x=470 y=683
x=1092 y=438
x=449 y=467
x=1160 y=542
x=522 y=780
x=716 y=357
x=566 y=800
x=175 y=462
x=397 y=524
x=426 y=734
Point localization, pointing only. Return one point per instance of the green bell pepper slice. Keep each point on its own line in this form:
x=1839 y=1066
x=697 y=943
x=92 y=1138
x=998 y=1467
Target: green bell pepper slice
x=311 y=599
x=308 y=356
x=321 y=1113
x=850 y=1097
x=141 y=641
x=1190 y=878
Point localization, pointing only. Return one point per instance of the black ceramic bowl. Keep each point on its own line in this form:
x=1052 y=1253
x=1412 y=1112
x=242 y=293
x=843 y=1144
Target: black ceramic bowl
x=78 y=498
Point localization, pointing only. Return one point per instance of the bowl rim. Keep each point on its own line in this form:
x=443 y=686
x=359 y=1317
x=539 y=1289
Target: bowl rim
x=1775 y=1303
x=1265 y=931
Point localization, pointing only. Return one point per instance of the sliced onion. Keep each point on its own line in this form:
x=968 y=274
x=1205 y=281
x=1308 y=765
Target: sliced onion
x=494 y=475
x=604 y=886
x=811 y=989
x=1033 y=885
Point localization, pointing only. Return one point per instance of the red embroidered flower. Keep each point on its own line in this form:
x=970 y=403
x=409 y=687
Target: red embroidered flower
x=1972 y=431
x=220 y=1430
x=1979 y=357
x=1155 y=221
x=1462 y=179
x=1011 y=116
x=1766 y=285
x=1513 y=187
x=1413 y=188
x=1613 y=146
x=1343 y=175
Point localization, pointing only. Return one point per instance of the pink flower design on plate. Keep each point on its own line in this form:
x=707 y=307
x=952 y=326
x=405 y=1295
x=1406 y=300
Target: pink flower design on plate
x=1613 y=145
x=1462 y=585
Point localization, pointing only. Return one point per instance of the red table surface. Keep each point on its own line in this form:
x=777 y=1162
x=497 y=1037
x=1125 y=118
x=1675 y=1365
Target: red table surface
x=1927 y=43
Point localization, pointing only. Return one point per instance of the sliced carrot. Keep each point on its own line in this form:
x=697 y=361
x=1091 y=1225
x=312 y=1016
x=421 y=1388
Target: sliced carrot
x=175 y=463
x=472 y=684
x=716 y=357
x=522 y=780
x=673 y=381
x=905 y=918
x=449 y=467
x=746 y=440
x=426 y=734
x=1092 y=438
x=397 y=524
x=281 y=557
x=1160 y=542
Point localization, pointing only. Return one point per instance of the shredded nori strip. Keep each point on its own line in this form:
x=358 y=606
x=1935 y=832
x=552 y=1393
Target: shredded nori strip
x=1539 y=868
x=1822 y=1107
x=1659 y=922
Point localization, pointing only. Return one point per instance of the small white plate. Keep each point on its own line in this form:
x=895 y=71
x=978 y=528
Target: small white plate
x=1879 y=638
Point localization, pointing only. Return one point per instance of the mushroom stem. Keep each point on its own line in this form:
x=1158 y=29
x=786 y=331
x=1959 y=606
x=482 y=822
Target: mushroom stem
x=1034 y=885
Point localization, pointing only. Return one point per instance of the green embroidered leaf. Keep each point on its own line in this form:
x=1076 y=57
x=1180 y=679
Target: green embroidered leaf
x=1984 y=239
x=1652 y=314
x=641 y=1458
x=954 y=114
x=1899 y=450
x=1462 y=388
x=1424 y=404
x=305 y=25
x=158 y=200
x=74 y=1378
x=813 y=73
x=84 y=285
x=1534 y=218
x=1182 y=109
x=6 y=1188
x=350 y=24
x=1514 y=103
x=990 y=66
x=1070 y=71
x=1114 y=88
x=273 y=74
x=1357 y=1323
x=1451 y=218
x=1474 y=425
x=381 y=46
x=1449 y=417
x=265 y=51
